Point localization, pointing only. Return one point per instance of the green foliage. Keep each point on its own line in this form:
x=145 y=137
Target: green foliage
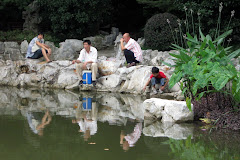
x=205 y=67
x=157 y=33
x=198 y=150
x=73 y=18
x=19 y=36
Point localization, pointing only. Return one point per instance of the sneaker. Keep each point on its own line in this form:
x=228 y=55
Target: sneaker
x=80 y=83
x=94 y=83
x=154 y=91
x=160 y=91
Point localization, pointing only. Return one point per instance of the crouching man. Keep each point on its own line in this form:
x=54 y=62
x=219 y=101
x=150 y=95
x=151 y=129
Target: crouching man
x=87 y=61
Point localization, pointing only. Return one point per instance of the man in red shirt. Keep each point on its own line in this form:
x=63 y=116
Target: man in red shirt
x=157 y=78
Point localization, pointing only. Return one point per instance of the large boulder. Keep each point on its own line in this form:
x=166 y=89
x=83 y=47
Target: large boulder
x=68 y=50
x=171 y=130
x=107 y=67
x=167 y=110
x=24 y=47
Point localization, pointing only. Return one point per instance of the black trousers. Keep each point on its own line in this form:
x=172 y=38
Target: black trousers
x=129 y=55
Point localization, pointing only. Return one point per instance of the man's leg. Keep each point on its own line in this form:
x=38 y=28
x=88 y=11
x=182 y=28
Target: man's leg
x=94 y=69
x=129 y=55
x=79 y=70
x=37 y=54
x=49 y=53
x=44 y=52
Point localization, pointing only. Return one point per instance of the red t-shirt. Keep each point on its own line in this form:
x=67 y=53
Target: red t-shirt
x=160 y=75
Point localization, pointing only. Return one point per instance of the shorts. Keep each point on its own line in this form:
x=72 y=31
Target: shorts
x=37 y=54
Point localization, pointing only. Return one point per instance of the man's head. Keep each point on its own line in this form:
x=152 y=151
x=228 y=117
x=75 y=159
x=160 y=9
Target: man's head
x=87 y=44
x=40 y=35
x=155 y=71
x=126 y=37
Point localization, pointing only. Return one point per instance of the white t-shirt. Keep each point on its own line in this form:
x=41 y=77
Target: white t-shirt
x=86 y=57
x=133 y=46
x=88 y=125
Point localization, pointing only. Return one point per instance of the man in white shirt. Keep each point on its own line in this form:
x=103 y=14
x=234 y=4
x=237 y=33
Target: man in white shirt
x=87 y=60
x=132 y=50
x=38 y=49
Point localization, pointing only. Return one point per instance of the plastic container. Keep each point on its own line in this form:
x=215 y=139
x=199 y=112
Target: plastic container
x=87 y=77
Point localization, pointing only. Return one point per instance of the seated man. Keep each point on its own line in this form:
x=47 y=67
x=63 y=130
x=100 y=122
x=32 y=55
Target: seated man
x=87 y=60
x=132 y=50
x=157 y=78
x=38 y=49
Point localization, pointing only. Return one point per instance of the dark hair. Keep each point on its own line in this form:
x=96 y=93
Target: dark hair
x=155 y=70
x=87 y=41
x=41 y=33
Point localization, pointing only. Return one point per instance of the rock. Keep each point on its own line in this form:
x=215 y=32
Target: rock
x=110 y=82
x=107 y=67
x=24 y=47
x=97 y=41
x=154 y=54
x=115 y=32
x=175 y=88
x=13 y=45
x=52 y=46
x=69 y=50
x=171 y=130
x=157 y=61
x=2 y=47
x=147 y=57
x=141 y=42
x=66 y=78
x=65 y=52
x=168 y=110
x=77 y=45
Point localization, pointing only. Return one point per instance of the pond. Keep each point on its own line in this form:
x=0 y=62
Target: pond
x=59 y=124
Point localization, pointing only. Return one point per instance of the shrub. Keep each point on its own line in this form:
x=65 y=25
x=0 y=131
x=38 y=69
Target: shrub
x=157 y=33
x=19 y=36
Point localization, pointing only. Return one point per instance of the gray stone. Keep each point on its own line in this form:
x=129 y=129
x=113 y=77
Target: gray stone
x=24 y=46
x=107 y=67
x=76 y=44
x=13 y=45
x=168 y=110
x=2 y=47
x=170 y=130
x=97 y=41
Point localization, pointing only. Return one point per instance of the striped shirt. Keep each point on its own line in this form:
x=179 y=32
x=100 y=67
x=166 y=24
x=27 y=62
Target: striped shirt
x=133 y=46
x=135 y=135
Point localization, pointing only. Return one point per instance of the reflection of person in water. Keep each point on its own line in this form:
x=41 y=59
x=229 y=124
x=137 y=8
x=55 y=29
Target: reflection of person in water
x=87 y=120
x=36 y=124
x=129 y=139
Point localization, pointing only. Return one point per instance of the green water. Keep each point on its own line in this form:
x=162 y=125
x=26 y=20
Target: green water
x=113 y=114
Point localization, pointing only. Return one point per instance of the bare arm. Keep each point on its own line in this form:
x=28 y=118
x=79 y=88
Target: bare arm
x=147 y=83
x=122 y=46
x=41 y=45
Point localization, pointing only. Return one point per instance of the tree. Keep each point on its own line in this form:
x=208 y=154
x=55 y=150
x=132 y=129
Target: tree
x=73 y=18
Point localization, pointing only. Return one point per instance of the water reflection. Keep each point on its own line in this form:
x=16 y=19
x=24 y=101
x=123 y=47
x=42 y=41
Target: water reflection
x=36 y=123
x=130 y=135
x=86 y=117
x=77 y=124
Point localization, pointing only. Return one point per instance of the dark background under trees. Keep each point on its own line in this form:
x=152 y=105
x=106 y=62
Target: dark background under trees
x=77 y=19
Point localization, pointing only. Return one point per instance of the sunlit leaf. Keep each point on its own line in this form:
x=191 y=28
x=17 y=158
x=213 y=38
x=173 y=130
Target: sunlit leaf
x=188 y=102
